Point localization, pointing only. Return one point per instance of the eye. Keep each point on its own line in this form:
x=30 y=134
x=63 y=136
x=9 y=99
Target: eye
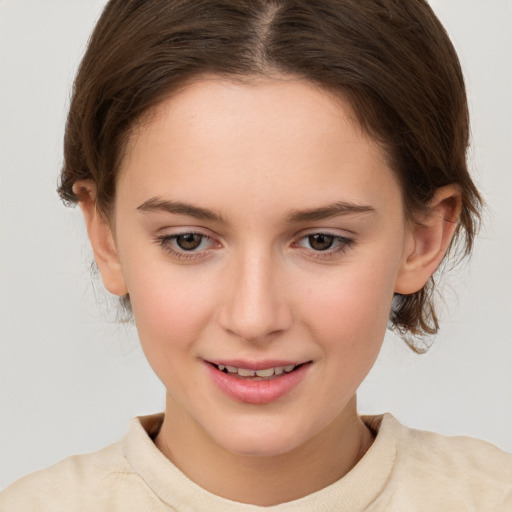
x=325 y=244
x=189 y=241
x=320 y=241
x=186 y=245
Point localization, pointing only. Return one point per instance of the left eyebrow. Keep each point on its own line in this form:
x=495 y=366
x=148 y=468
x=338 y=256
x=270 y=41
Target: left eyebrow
x=328 y=211
x=156 y=204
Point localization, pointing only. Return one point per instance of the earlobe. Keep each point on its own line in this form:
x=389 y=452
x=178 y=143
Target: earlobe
x=101 y=238
x=428 y=240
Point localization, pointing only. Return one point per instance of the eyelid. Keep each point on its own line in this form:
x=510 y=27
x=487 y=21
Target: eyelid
x=175 y=231
x=336 y=233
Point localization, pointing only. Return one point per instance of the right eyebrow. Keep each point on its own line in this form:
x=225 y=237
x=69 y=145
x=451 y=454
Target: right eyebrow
x=328 y=211
x=156 y=204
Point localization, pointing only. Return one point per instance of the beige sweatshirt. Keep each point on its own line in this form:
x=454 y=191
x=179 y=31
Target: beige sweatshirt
x=405 y=470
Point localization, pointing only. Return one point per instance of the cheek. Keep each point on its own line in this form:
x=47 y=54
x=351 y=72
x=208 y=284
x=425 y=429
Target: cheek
x=168 y=307
x=348 y=320
x=351 y=308
x=170 y=313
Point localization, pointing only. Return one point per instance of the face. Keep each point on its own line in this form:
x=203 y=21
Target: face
x=258 y=230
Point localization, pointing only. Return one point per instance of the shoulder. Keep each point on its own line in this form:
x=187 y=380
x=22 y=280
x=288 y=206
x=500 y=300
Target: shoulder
x=458 y=470
x=104 y=480
x=51 y=488
x=457 y=457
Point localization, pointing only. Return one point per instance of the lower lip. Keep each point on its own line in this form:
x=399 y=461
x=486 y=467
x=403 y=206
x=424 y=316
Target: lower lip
x=257 y=392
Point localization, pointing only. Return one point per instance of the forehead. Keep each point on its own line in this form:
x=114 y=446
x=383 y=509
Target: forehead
x=269 y=140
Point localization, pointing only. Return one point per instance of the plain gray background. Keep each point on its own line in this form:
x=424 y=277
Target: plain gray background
x=71 y=377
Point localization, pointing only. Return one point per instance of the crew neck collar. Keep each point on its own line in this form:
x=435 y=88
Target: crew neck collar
x=354 y=492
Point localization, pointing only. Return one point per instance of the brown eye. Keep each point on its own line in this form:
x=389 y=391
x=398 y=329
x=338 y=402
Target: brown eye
x=320 y=242
x=187 y=245
x=189 y=241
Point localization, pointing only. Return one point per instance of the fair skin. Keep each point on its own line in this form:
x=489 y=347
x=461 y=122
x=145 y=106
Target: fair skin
x=257 y=227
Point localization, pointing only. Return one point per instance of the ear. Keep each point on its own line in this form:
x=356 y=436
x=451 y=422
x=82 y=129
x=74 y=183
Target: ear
x=102 y=239
x=428 y=240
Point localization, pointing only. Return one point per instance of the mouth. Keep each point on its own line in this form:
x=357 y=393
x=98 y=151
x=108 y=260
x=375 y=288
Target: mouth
x=257 y=375
x=257 y=383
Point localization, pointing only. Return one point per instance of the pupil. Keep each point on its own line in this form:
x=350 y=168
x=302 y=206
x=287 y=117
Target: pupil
x=321 y=242
x=189 y=241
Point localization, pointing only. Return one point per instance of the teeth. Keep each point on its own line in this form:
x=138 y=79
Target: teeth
x=268 y=372
x=245 y=373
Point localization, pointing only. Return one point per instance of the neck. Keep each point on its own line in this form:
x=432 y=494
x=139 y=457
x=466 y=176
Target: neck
x=262 y=480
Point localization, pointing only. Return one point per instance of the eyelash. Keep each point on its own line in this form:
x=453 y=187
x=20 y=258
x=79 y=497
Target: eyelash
x=168 y=243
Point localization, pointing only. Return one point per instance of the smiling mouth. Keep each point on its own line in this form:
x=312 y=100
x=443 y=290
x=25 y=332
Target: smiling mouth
x=257 y=375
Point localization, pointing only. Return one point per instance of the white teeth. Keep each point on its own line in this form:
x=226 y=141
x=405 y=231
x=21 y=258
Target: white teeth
x=245 y=373
x=267 y=372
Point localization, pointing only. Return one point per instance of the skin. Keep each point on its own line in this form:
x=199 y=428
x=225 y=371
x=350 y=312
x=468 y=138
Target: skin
x=257 y=158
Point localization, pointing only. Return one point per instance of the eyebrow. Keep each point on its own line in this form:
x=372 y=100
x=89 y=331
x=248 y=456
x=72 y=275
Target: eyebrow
x=160 y=205
x=156 y=204
x=328 y=211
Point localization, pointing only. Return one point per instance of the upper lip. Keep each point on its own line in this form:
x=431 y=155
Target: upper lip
x=255 y=365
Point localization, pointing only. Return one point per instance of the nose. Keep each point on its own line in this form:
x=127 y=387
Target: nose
x=255 y=306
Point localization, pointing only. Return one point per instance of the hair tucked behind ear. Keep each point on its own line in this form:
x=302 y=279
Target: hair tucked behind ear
x=391 y=59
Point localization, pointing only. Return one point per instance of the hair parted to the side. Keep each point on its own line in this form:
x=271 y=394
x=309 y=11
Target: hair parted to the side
x=391 y=59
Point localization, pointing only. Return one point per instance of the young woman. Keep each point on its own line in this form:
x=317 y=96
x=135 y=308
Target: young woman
x=265 y=185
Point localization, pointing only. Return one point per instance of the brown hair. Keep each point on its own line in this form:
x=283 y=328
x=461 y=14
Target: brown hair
x=391 y=59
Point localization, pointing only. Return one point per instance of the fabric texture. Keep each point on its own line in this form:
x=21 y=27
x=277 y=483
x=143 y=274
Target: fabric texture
x=404 y=470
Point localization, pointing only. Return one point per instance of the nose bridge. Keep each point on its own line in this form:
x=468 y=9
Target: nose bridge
x=255 y=306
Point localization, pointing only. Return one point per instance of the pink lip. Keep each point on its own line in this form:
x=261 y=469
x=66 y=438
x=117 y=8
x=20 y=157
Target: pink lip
x=256 y=392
